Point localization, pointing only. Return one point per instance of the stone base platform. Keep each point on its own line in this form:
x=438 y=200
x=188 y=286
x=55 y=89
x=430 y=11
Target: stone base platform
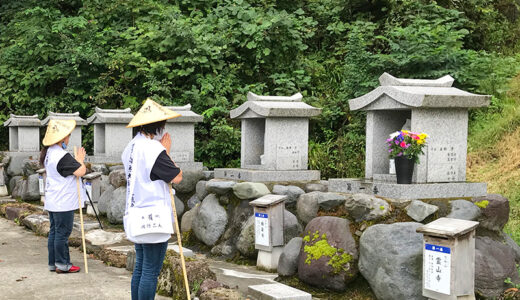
x=276 y=291
x=267 y=176
x=408 y=191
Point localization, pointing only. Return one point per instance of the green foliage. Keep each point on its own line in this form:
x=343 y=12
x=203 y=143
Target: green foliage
x=509 y=281
x=482 y=204
x=69 y=56
x=338 y=259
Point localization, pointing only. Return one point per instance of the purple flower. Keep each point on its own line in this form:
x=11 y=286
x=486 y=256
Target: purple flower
x=397 y=142
x=389 y=150
x=400 y=154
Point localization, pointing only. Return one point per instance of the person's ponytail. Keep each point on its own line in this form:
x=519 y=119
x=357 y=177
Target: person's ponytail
x=43 y=153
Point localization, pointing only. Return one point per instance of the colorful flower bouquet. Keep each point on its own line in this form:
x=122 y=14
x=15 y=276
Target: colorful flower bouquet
x=407 y=144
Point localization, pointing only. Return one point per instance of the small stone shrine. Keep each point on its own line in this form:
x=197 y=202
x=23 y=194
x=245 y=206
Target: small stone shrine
x=182 y=132
x=110 y=134
x=24 y=133
x=430 y=106
x=274 y=145
x=75 y=137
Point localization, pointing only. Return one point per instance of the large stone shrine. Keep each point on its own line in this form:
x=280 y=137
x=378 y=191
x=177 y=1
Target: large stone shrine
x=274 y=139
x=110 y=134
x=75 y=137
x=430 y=106
x=182 y=132
x=24 y=133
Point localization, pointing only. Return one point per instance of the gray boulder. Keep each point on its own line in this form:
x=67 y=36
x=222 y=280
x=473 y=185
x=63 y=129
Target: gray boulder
x=464 y=210
x=102 y=168
x=494 y=262
x=288 y=262
x=316 y=187
x=40 y=224
x=117 y=178
x=179 y=206
x=193 y=201
x=104 y=183
x=363 y=207
x=246 y=240
x=187 y=220
x=210 y=220
x=238 y=216
x=115 y=167
x=30 y=166
x=224 y=249
x=20 y=188
x=219 y=187
x=419 y=210
x=494 y=211
x=330 y=201
x=328 y=256
x=15 y=167
x=12 y=183
x=513 y=245
x=104 y=200
x=32 y=191
x=116 y=206
x=250 y=190
x=190 y=177
x=307 y=206
x=200 y=189
x=391 y=260
x=208 y=175
x=291 y=191
x=291 y=227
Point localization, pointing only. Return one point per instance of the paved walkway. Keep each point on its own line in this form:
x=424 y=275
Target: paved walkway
x=24 y=273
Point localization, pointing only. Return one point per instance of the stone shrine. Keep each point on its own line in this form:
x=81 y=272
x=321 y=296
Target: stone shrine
x=274 y=140
x=430 y=106
x=110 y=134
x=182 y=132
x=24 y=133
x=75 y=137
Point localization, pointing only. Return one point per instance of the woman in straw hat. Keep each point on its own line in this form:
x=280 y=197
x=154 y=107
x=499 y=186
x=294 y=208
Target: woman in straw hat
x=148 y=214
x=61 y=194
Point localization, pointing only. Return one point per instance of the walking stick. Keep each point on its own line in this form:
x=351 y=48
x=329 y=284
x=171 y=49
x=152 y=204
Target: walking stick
x=81 y=218
x=179 y=242
x=93 y=208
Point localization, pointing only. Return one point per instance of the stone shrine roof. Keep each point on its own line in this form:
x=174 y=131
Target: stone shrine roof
x=400 y=93
x=187 y=116
x=19 y=121
x=64 y=116
x=111 y=116
x=274 y=106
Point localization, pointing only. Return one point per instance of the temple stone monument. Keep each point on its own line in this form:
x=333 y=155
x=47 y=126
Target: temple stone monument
x=430 y=106
x=182 y=132
x=75 y=137
x=24 y=133
x=274 y=145
x=110 y=134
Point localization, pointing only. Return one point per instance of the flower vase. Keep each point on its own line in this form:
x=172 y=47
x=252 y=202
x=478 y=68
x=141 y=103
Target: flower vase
x=404 y=169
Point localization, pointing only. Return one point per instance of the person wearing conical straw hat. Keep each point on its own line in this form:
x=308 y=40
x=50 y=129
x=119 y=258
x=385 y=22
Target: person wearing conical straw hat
x=61 y=194
x=148 y=214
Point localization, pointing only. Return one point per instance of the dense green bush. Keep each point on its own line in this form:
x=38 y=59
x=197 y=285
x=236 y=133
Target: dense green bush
x=74 y=55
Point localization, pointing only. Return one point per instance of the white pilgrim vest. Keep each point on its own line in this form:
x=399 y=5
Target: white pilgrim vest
x=138 y=158
x=61 y=193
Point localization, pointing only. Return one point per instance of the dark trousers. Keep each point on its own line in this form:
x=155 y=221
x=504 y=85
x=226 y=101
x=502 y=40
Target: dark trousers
x=58 y=242
x=148 y=263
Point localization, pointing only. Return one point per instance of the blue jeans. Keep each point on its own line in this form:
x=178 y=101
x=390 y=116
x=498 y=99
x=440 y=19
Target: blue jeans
x=58 y=242
x=148 y=263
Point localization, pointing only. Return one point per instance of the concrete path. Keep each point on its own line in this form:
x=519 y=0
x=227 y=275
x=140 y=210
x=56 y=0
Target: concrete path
x=24 y=273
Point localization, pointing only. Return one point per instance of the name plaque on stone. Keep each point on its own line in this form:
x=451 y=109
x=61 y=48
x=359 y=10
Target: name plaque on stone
x=288 y=157
x=262 y=229
x=180 y=156
x=437 y=268
x=443 y=163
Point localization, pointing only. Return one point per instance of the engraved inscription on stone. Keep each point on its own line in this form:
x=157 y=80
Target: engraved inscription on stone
x=443 y=162
x=180 y=156
x=288 y=157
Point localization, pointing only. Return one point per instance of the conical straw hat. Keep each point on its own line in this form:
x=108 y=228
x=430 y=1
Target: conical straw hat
x=151 y=112
x=57 y=130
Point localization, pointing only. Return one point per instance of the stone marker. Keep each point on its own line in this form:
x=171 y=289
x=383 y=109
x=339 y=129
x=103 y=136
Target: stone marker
x=75 y=137
x=449 y=259
x=276 y=291
x=3 y=181
x=269 y=233
x=110 y=133
x=24 y=133
x=274 y=144
x=430 y=106
x=92 y=182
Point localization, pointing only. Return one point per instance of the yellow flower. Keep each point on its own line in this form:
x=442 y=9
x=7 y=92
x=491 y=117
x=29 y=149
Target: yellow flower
x=405 y=131
x=420 y=142
x=422 y=136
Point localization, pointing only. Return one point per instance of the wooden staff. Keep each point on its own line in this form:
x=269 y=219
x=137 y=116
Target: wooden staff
x=81 y=218
x=179 y=242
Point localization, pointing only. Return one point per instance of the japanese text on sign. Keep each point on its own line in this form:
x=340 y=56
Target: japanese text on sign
x=436 y=268
x=443 y=163
x=40 y=182
x=262 y=229
x=288 y=157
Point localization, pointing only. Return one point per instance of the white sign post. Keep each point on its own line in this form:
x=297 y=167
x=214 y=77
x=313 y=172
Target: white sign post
x=262 y=229
x=437 y=268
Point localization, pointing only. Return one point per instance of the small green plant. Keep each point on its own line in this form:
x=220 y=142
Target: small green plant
x=338 y=259
x=509 y=281
x=382 y=207
x=196 y=286
x=482 y=204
